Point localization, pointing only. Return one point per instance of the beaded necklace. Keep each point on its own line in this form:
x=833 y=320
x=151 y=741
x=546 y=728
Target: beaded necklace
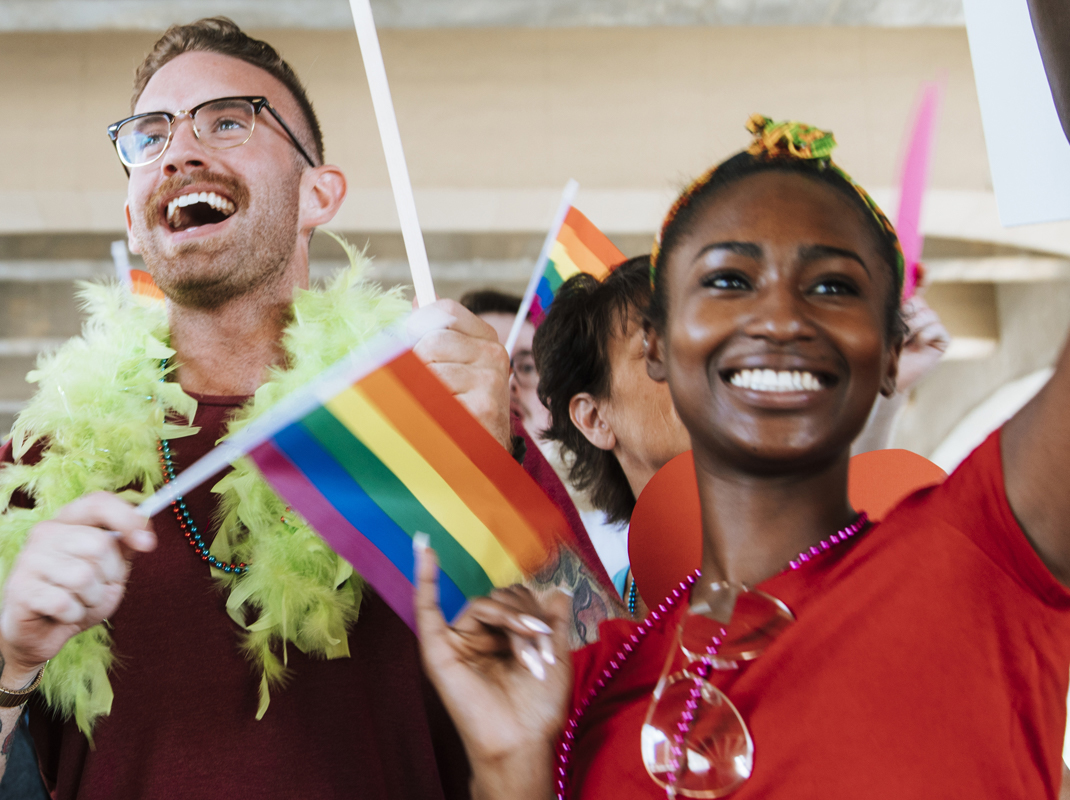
x=703 y=671
x=633 y=595
x=185 y=521
x=182 y=515
x=631 y=644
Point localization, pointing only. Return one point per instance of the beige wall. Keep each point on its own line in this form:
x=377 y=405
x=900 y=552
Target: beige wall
x=500 y=119
x=494 y=121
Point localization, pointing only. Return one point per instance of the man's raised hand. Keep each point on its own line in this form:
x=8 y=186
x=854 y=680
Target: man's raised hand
x=70 y=576
x=467 y=357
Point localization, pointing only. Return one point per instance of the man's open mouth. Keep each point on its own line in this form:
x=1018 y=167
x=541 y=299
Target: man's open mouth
x=197 y=208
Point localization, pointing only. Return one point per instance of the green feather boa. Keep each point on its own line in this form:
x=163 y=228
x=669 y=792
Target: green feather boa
x=100 y=409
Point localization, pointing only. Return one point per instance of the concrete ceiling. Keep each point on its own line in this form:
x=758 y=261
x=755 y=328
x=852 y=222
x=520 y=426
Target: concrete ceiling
x=86 y=15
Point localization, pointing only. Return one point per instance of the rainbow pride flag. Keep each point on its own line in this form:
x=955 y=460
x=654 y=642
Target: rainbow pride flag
x=371 y=455
x=579 y=247
x=138 y=281
x=143 y=287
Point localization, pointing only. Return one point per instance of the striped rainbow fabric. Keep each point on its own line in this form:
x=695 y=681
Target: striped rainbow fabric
x=395 y=453
x=580 y=247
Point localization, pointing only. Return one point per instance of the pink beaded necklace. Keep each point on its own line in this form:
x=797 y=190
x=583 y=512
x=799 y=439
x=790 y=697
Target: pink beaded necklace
x=631 y=644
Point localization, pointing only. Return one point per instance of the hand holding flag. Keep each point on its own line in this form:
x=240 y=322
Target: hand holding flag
x=503 y=672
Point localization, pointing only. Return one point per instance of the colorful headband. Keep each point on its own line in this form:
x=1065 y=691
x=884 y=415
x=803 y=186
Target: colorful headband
x=785 y=140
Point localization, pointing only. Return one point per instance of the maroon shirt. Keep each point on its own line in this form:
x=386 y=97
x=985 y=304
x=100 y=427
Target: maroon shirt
x=183 y=723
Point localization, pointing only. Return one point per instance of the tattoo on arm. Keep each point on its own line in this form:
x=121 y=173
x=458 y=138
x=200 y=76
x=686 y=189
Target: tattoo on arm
x=592 y=604
x=9 y=740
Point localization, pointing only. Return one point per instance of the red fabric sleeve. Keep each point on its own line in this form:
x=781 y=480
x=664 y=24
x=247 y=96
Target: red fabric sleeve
x=974 y=501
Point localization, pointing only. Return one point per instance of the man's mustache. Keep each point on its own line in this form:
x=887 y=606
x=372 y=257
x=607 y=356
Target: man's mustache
x=234 y=188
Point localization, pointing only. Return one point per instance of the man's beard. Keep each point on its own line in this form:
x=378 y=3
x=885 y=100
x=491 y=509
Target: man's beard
x=208 y=273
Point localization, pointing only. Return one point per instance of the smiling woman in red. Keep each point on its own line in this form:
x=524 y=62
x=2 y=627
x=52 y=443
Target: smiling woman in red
x=815 y=655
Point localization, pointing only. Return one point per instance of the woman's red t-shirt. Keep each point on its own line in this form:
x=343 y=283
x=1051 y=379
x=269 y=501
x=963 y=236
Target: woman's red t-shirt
x=929 y=658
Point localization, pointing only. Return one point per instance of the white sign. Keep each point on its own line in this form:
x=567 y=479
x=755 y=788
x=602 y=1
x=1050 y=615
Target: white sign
x=1027 y=151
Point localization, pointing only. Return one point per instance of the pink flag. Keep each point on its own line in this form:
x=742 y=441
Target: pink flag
x=915 y=177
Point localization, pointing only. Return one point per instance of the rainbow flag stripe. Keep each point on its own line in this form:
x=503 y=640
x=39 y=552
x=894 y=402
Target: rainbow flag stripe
x=395 y=453
x=580 y=247
x=142 y=286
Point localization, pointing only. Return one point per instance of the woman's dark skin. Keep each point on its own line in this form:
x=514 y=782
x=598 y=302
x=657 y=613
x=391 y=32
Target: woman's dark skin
x=779 y=271
x=782 y=274
x=1051 y=24
x=1035 y=441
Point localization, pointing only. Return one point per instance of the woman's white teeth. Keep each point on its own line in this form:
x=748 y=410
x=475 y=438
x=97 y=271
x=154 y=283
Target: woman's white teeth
x=767 y=380
x=221 y=204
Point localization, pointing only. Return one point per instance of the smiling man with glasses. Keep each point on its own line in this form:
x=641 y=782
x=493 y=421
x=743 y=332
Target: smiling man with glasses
x=195 y=673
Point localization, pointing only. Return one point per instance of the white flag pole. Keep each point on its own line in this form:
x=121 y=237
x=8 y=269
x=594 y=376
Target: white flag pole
x=395 y=155
x=540 y=266
x=121 y=258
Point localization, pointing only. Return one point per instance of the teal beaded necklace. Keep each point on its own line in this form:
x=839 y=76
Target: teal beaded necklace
x=182 y=515
x=633 y=595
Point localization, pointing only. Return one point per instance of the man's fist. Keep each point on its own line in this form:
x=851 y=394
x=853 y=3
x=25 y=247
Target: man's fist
x=70 y=576
x=468 y=359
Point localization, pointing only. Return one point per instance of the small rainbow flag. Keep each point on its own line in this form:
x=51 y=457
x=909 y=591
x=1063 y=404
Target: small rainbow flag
x=142 y=286
x=370 y=457
x=579 y=247
x=138 y=281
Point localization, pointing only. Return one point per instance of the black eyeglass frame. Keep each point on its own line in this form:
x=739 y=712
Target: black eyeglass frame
x=258 y=104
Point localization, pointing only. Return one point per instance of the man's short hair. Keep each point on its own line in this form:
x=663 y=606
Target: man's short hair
x=491 y=301
x=572 y=356
x=221 y=35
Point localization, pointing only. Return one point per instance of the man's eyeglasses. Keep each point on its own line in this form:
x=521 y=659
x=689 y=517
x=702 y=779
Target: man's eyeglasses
x=219 y=124
x=694 y=742
x=524 y=371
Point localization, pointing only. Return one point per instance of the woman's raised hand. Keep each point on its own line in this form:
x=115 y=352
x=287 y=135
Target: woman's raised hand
x=504 y=672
